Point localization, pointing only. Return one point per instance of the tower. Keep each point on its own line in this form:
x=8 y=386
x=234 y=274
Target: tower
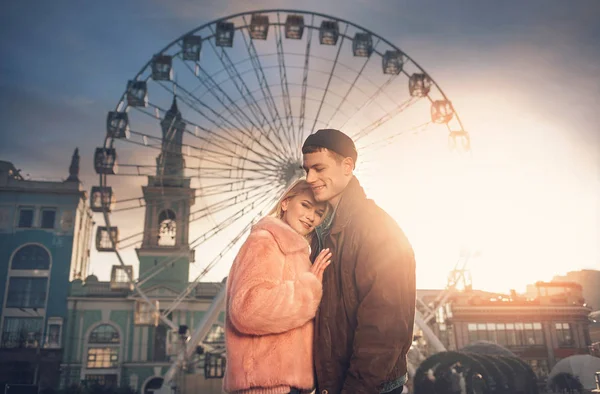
x=168 y=198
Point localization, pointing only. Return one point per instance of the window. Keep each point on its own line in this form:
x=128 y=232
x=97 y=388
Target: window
x=48 y=218
x=519 y=333
x=472 y=332
x=25 y=217
x=167 y=228
x=501 y=334
x=564 y=335
x=26 y=292
x=107 y=357
x=538 y=333
x=104 y=333
x=481 y=332
x=107 y=354
x=492 y=337
x=529 y=337
x=160 y=343
x=507 y=334
x=511 y=335
x=21 y=332
x=53 y=332
x=31 y=257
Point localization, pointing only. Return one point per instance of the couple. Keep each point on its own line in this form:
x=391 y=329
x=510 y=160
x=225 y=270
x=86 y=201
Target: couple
x=343 y=322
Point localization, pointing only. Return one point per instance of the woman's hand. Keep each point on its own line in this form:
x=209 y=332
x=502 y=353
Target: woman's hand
x=321 y=262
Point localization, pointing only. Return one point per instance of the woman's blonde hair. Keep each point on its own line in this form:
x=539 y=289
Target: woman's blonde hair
x=296 y=188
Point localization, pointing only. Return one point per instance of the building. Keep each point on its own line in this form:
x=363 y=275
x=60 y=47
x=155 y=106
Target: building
x=541 y=330
x=116 y=337
x=45 y=232
x=113 y=339
x=589 y=281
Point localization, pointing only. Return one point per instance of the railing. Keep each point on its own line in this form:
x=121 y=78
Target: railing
x=20 y=340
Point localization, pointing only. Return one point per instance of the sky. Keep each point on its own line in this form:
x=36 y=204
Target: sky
x=522 y=75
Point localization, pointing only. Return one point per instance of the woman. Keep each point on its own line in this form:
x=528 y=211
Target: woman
x=273 y=293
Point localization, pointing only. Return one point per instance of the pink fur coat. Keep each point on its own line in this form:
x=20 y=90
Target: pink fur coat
x=272 y=298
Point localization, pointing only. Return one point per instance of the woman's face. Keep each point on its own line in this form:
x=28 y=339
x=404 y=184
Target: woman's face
x=302 y=212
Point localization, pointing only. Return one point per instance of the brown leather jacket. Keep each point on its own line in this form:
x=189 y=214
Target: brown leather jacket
x=364 y=326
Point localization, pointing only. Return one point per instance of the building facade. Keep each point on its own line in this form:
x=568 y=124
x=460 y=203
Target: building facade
x=541 y=330
x=114 y=342
x=45 y=230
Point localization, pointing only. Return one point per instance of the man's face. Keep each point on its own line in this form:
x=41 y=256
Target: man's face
x=326 y=176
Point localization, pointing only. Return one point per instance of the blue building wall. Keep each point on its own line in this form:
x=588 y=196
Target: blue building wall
x=59 y=244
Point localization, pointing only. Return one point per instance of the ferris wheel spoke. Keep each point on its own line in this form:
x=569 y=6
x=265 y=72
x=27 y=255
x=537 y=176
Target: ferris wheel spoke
x=241 y=198
x=304 y=85
x=208 y=154
x=202 y=191
x=227 y=172
x=264 y=85
x=229 y=186
x=337 y=56
x=224 y=120
x=215 y=87
x=243 y=90
x=166 y=263
x=371 y=99
x=287 y=104
x=353 y=84
x=217 y=259
x=391 y=138
x=383 y=119
x=267 y=196
x=217 y=156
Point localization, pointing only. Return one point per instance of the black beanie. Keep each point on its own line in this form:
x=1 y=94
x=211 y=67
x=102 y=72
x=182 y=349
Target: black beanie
x=334 y=140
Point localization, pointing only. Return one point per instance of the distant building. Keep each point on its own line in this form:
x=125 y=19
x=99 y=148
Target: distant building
x=45 y=230
x=590 y=282
x=541 y=330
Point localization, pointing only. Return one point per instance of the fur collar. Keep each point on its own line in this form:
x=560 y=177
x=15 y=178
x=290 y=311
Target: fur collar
x=289 y=241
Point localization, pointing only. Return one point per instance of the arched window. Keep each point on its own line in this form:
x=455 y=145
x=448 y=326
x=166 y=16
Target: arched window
x=167 y=228
x=103 y=347
x=105 y=333
x=31 y=257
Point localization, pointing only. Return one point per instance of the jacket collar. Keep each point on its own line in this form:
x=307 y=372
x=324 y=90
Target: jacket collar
x=288 y=240
x=352 y=196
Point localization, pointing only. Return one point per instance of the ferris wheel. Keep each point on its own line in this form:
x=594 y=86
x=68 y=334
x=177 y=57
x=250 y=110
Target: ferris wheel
x=221 y=113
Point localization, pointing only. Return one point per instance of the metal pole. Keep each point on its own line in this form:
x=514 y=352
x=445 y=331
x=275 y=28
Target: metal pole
x=432 y=339
x=209 y=318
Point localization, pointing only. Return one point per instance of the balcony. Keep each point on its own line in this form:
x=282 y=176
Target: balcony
x=20 y=340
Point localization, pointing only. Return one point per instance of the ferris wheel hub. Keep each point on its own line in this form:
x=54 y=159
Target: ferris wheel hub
x=291 y=171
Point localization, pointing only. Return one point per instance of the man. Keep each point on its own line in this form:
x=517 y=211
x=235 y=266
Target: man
x=363 y=328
